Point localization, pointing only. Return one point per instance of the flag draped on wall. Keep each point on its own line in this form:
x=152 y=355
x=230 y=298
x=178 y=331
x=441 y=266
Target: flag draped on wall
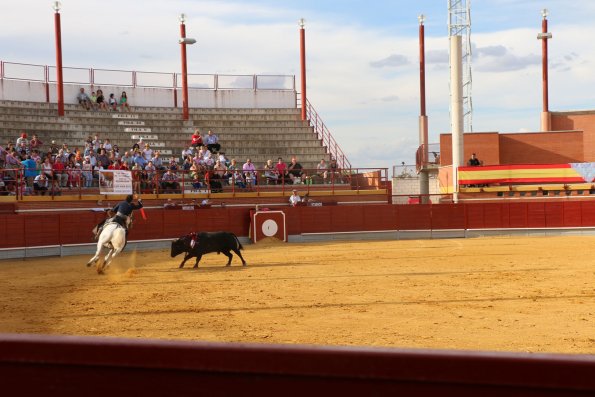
x=528 y=173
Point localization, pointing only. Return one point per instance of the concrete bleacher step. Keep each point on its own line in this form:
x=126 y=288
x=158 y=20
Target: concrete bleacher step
x=257 y=133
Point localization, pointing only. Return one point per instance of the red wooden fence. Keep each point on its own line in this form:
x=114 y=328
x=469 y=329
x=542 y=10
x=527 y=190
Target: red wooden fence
x=27 y=230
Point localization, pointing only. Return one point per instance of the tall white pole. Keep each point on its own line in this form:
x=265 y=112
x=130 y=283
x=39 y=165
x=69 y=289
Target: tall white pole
x=456 y=110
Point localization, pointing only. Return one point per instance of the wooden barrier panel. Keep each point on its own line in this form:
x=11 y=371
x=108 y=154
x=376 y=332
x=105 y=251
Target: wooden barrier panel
x=316 y=219
x=448 y=216
x=415 y=217
x=77 y=366
x=572 y=214
x=517 y=215
x=72 y=228
x=12 y=231
x=554 y=214
x=536 y=216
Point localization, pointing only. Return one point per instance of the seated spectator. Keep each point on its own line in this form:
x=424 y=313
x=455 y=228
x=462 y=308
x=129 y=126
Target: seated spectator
x=22 y=139
x=223 y=159
x=212 y=142
x=35 y=143
x=150 y=173
x=270 y=173
x=249 y=172
x=186 y=164
x=197 y=173
x=334 y=171
x=158 y=161
x=295 y=171
x=112 y=102
x=208 y=160
x=322 y=170
x=281 y=168
x=140 y=160
x=123 y=102
x=41 y=184
x=187 y=152
x=147 y=152
x=60 y=175
x=107 y=145
x=75 y=177
x=196 y=139
x=173 y=164
x=236 y=178
x=84 y=99
x=169 y=204
x=87 y=172
x=137 y=176
x=101 y=103
x=170 y=181
x=219 y=171
x=294 y=199
x=93 y=99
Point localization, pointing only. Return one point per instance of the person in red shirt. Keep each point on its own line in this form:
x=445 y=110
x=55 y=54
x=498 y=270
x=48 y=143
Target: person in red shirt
x=196 y=139
x=281 y=168
x=60 y=175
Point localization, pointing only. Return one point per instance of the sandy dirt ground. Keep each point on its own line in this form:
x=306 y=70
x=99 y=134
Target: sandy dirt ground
x=502 y=294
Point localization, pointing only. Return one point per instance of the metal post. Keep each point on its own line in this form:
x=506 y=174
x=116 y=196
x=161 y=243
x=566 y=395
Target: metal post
x=544 y=36
x=303 y=66
x=59 y=79
x=185 y=110
x=424 y=180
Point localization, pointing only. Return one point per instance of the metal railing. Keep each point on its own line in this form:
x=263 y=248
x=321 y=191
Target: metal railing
x=433 y=157
x=128 y=78
x=21 y=182
x=323 y=133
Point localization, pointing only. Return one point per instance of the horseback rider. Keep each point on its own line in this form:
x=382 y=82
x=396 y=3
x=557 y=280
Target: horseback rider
x=122 y=211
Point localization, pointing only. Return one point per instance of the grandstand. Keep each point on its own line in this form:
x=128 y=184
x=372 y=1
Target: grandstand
x=257 y=133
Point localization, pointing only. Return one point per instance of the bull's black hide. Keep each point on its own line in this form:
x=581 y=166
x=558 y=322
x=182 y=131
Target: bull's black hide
x=198 y=244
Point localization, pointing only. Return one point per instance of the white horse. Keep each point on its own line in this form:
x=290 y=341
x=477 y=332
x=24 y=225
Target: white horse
x=112 y=237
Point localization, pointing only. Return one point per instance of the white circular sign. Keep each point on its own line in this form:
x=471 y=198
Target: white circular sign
x=269 y=228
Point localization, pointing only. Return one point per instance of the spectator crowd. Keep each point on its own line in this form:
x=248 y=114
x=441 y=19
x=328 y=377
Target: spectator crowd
x=40 y=168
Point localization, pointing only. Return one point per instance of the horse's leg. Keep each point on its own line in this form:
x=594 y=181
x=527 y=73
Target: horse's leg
x=238 y=253
x=229 y=257
x=118 y=244
x=94 y=259
x=197 y=260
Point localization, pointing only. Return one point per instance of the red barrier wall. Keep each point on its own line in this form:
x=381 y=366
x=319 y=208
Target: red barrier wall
x=73 y=228
x=36 y=365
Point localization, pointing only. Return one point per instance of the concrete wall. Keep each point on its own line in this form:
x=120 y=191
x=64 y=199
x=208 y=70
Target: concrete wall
x=405 y=187
x=17 y=90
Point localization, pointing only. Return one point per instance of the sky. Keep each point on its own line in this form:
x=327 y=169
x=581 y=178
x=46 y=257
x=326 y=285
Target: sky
x=362 y=56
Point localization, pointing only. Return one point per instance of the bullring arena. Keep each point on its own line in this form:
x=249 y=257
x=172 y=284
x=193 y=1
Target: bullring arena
x=521 y=294
x=482 y=285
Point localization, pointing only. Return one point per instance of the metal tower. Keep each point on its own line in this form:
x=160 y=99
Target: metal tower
x=459 y=24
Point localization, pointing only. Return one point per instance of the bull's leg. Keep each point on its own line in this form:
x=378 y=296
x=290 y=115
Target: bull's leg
x=186 y=257
x=229 y=256
x=238 y=253
x=197 y=260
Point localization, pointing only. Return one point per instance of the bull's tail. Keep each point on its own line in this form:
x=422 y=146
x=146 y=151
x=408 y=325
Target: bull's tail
x=239 y=245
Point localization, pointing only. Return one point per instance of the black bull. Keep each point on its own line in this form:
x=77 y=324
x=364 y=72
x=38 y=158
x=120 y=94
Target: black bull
x=198 y=244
